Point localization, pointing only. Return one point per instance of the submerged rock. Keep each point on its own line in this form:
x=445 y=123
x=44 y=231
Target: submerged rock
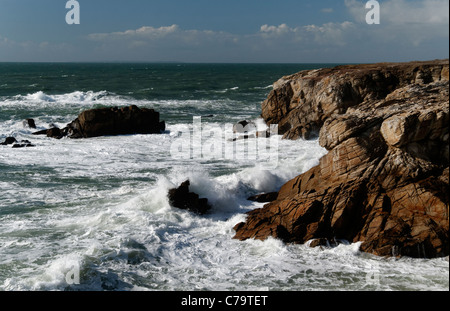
x=385 y=179
x=181 y=198
x=53 y=132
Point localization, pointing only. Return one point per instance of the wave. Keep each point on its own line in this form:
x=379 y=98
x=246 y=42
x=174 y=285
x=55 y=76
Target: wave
x=74 y=97
x=41 y=99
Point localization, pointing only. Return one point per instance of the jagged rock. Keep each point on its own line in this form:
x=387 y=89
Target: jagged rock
x=115 y=121
x=181 y=198
x=300 y=103
x=8 y=141
x=385 y=179
x=244 y=126
x=110 y=122
x=53 y=132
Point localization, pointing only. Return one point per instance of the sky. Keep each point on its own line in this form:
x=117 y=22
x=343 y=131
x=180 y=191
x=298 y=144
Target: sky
x=219 y=31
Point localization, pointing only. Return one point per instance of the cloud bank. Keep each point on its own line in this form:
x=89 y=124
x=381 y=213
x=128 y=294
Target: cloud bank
x=409 y=30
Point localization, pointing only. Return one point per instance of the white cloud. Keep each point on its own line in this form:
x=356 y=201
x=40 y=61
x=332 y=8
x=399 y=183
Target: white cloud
x=409 y=30
x=143 y=32
x=405 y=23
x=326 y=34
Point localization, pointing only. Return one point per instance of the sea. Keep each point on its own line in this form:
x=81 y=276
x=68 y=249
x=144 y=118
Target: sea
x=93 y=214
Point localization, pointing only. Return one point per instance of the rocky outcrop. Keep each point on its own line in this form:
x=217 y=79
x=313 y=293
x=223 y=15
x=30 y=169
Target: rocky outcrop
x=385 y=180
x=115 y=121
x=300 y=103
x=110 y=122
x=183 y=199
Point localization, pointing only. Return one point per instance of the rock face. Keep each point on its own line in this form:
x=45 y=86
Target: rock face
x=115 y=121
x=181 y=198
x=300 y=103
x=385 y=180
x=109 y=122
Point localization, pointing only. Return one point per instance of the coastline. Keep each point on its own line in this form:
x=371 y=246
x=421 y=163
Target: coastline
x=384 y=180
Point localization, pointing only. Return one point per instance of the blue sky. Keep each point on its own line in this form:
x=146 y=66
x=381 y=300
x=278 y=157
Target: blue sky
x=224 y=31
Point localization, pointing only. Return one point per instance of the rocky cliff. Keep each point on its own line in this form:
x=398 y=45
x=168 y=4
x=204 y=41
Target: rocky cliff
x=385 y=180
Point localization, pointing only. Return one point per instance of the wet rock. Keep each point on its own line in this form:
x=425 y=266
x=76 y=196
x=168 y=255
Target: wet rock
x=244 y=126
x=264 y=197
x=109 y=122
x=115 y=121
x=53 y=132
x=29 y=123
x=181 y=198
x=8 y=141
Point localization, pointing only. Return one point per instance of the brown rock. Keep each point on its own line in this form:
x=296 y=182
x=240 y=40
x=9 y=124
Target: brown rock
x=385 y=179
x=300 y=103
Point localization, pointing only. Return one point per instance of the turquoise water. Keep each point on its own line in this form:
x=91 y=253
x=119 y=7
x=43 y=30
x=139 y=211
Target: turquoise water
x=96 y=209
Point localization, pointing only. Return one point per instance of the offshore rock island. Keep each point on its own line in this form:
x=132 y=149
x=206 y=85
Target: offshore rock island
x=385 y=179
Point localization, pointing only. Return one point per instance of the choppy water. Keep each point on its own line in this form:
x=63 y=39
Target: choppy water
x=93 y=214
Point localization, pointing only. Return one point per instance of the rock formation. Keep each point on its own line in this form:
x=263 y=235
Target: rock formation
x=183 y=199
x=8 y=141
x=385 y=180
x=114 y=121
x=110 y=122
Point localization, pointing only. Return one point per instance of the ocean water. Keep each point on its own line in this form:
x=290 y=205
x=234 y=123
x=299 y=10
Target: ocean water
x=93 y=214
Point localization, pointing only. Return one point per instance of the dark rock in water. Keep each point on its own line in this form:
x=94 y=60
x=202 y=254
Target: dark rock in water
x=244 y=127
x=16 y=144
x=52 y=132
x=8 y=141
x=181 y=198
x=55 y=133
x=115 y=121
x=265 y=197
x=110 y=122
x=29 y=123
